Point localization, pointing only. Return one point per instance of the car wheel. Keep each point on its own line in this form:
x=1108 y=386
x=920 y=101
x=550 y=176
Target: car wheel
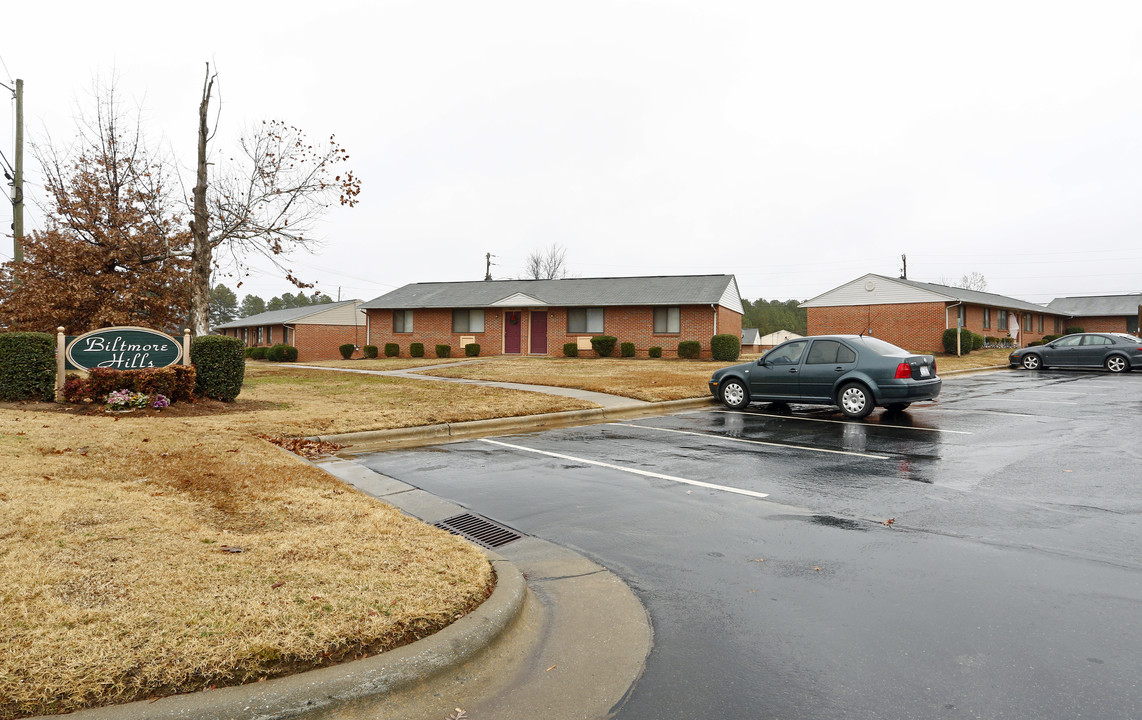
x=896 y=407
x=1031 y=361
x=1117 y=364
x=734 y=394
x=855 y=400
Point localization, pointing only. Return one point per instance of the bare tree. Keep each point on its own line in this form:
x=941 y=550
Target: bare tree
x=265 y=203
x=547 y=265
x=975 y=281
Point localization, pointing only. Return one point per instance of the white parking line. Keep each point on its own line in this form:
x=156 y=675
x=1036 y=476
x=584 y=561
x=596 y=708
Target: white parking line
x=1051 y=392
x=1023 y=400
x=644 y=473
x=841 y=422
x=754 y=442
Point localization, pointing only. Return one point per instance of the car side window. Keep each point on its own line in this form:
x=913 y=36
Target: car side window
x=822 y=352
x=845 y=354
x=1097 y=340
x=1070 y=341
x=787 y=354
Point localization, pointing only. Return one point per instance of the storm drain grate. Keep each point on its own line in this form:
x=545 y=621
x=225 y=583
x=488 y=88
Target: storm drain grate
x=479 y=530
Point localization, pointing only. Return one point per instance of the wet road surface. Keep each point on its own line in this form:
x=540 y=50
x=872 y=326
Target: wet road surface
x=1008 y=584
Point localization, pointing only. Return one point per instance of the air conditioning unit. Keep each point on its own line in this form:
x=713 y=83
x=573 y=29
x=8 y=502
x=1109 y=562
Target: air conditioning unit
x=467 y=340
x=584 y=343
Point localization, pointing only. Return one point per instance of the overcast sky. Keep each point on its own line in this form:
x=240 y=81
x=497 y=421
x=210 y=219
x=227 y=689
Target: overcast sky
x=797 y=145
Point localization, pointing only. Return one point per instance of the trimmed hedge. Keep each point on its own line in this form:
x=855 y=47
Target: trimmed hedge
x=472 y=349
x=604 y=345
x=689 y=349
x=220 y=366
x=654 y=352
x=392 y=350
x=570 y=349
x=176 y=383
x=725 y=347
x=282 y=353
x=416 y=349
x=966 y=341
x=370 y=351
x=443 y=351
x=626 y=349
x=257 y=353
x=27 y=366
x=1071 y=330
x=347 y=350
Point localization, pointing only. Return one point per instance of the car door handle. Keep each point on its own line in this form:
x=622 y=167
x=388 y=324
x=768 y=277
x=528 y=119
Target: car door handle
x=793 y=370
x=839 y=369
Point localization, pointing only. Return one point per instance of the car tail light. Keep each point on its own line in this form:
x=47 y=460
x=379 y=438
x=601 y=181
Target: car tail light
x=903 y=370
x=933 y=367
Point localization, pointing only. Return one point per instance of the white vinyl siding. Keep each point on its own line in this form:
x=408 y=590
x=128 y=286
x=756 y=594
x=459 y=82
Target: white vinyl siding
x=465 y=321
x=585 y=320
x=402 y=321
x=667 y=320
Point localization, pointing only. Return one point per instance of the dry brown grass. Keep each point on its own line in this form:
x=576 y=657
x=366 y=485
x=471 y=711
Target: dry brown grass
x=977 y=359
x=639 y=378
x=117 y=581
x=380 y=363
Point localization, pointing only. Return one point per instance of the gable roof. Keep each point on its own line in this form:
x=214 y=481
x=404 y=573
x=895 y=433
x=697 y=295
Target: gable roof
x=873 y=289
x=1098 y=305
x=568 y=292
x=293 y=315
x=749 y=336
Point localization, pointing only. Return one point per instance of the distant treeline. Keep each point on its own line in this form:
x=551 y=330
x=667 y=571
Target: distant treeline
x=772 y=315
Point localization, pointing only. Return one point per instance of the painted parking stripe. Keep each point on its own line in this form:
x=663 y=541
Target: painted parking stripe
x=842 y=422
x=1025 y=400
x=786 y=446
x=1051 y=392
x=635 y=471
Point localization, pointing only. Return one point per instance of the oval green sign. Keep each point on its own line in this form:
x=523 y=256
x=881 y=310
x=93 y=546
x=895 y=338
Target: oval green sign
x=123 y=348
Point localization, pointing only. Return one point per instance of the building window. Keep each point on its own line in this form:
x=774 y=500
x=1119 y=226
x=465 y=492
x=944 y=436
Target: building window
x=1040 y=324
x=402 y=321
x=585 y=320
x=1002 y=317
x=269 y=334
x=1056 y=324
x=987 y=318
x=260 y=329
x=1027 y=322
x=467 y=321
x=245 y=336
x=667 y=320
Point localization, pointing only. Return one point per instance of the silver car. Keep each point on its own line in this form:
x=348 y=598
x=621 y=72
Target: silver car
x=1117 y=352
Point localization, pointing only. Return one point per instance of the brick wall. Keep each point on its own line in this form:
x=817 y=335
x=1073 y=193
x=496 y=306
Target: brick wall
x=1100 y=324
x=313 y=342
x=919 y=327
x=628 y=324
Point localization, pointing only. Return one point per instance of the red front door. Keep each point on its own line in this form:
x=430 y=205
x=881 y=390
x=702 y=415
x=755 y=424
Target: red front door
x=538 y=332
x=511 y=333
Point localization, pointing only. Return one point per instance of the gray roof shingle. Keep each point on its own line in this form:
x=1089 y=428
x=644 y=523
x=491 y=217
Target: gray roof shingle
x=567 y=292
x=979 y=298
x=1097 y=305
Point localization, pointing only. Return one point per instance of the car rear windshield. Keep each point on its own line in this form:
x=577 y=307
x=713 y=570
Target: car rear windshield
x=883 y=348
x=1129 y=338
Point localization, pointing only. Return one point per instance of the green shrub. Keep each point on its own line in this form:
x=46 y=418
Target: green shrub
x=443 y=351
x=416 y=349
x=689 y=349
x=1035 y=343
x=472 y=349
x=570 y=349
x=282 y=353
x=1073 y=329
x=976 y=342
x=604 y=345
x=392 y=350
x=949 y=341
x=250 y=352
x=725 y=347
x=347 y=350
x=219 y=365
x=626 y=349
x=655 y=352
x=27 y=366
x=370 y=351
x=257 y=353
x=1051 y=338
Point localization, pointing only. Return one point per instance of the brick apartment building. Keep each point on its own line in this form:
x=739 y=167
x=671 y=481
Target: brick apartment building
x=537 y=317
x=1102 y=313
x=915 y=314
x=317 y=331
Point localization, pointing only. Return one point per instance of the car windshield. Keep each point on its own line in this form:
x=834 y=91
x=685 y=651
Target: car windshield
x=882 y=348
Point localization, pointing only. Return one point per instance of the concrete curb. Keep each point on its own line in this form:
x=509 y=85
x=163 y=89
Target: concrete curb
x=524 y=423
x=327 y=688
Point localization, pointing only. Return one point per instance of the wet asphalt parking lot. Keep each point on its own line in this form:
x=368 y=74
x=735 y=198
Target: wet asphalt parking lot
x=1008 y=583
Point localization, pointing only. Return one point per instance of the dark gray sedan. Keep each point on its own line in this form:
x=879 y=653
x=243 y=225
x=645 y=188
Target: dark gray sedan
x=1117 y=352
x=856 y=373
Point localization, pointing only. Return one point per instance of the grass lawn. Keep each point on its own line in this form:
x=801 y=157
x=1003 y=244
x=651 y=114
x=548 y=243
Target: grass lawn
x=148 y=554
x=643 y=378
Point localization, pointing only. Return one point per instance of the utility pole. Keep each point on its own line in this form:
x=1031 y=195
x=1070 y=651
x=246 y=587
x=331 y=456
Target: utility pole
x=18 y=180
x=904 y=272
x=488 y=271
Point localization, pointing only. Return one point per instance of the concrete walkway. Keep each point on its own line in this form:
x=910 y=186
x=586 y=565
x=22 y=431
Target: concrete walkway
x=603 y=400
